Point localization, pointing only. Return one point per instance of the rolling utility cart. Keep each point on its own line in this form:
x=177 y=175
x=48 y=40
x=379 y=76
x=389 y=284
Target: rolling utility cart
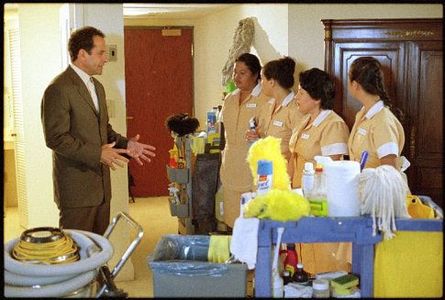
x=180 y=187
x=357 y=230
x=195 y=208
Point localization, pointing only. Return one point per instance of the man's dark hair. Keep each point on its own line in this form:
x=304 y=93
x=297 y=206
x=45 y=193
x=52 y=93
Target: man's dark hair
x=82 y=38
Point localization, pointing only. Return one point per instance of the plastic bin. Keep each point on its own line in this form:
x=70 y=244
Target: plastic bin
x=178 y=175
x=180 y=269
x=180 y=210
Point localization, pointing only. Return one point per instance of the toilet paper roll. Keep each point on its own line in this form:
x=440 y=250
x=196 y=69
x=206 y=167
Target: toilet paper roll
x=342 y=179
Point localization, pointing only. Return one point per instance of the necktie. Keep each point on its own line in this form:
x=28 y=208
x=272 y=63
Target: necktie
x=92 y=90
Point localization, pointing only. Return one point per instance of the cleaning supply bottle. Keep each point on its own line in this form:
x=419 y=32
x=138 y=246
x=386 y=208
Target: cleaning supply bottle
x=286 y=277
x=211 y=121
x=318 y=199
x=264 y=171
x=291 y=260
x=300 y=276
x=307 y=181
x=252 y=127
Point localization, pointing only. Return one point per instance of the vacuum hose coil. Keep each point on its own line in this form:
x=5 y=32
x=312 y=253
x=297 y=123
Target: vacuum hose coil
x=36 y=280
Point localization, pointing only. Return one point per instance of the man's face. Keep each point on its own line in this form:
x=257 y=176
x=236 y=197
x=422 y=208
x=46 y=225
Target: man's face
x=94 y=62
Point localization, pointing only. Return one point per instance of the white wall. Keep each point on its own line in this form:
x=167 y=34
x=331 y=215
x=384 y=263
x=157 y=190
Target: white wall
x=40 y=61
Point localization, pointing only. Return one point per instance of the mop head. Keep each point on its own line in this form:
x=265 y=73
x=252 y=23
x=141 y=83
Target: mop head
x=382 y=192
x=278 y=205
x=181 y=124
x=269 y=149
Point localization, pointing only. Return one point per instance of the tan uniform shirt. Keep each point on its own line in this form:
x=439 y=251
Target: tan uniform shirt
x=378 y=132
x=280 y=122
x=327 y=135
x=235 y=171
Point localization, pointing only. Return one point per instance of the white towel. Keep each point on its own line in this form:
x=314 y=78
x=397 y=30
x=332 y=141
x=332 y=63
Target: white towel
x=244 y=241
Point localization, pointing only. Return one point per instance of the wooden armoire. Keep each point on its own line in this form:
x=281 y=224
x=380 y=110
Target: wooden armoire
x=410 y=51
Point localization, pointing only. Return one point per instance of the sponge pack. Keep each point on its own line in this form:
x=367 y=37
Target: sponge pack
x=345 y=282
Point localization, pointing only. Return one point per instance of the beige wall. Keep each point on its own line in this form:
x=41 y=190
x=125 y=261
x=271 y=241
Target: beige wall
x=214 y=38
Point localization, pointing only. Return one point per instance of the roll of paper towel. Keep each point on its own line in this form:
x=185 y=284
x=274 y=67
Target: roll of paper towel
x=342 y=179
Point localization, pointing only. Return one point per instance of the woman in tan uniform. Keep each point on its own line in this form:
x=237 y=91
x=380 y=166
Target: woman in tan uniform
x=322 y=131
x=378 y=131
x=280 y=115
x=238 y=108
x=376 y=128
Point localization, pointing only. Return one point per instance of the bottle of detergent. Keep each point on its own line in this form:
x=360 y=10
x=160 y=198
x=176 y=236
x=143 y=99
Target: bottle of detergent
x=291 y=260
x=318 y=199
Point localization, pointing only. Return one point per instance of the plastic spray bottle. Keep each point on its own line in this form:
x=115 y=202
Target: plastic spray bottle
x=264 y=171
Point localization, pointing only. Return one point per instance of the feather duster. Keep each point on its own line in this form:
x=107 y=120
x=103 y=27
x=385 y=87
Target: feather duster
x=269 y=148
x=278 y=205
x=181 y=124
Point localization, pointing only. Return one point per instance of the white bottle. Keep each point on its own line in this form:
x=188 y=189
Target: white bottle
x=307 y=180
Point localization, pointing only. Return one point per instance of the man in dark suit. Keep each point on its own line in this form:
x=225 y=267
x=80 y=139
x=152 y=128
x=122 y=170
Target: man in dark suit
x=85 y=146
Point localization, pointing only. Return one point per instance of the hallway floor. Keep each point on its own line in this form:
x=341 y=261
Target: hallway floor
x=152 y=214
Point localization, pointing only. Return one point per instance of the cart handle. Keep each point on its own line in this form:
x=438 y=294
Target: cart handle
x=133 y=244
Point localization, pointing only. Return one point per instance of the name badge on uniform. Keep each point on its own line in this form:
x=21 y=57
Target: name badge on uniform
x=251 y=105
x=277 y=123
x=304 y=136
x=361 y=131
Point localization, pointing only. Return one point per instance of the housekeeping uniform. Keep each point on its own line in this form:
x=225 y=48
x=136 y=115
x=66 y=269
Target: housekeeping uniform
x=279 y=121
x=378 y=132
x=396 y=270
x=235 y=173
x=327 y=135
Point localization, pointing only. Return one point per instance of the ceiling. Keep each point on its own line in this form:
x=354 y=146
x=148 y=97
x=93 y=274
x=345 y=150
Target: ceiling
x=170 y=10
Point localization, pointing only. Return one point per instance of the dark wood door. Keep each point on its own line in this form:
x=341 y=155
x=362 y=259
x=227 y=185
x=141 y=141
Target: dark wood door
x=425 y=130
x=411 y=55
x=390 y=55
x=158 y=83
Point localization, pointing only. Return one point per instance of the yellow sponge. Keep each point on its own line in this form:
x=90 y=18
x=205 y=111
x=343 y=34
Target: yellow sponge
x=345 y=281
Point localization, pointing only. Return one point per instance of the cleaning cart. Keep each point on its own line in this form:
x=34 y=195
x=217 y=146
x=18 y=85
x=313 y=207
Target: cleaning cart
x=88 y=277
x=193 y=186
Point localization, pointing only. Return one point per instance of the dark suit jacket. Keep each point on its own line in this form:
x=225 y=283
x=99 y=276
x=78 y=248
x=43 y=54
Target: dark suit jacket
x=75 y=132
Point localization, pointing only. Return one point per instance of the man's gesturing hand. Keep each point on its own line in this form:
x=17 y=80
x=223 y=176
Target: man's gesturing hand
x=110 y=156
x=138 y=150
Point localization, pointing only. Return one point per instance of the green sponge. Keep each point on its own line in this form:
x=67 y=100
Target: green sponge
x=345 y=281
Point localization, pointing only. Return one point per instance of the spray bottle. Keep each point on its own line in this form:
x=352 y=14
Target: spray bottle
x=264 y=171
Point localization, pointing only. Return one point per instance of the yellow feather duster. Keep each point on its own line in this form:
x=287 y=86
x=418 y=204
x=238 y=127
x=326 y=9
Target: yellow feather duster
x=278 y=205
x=269 y=148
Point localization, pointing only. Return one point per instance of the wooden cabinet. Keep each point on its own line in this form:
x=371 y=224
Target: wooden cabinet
x=410 y=51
